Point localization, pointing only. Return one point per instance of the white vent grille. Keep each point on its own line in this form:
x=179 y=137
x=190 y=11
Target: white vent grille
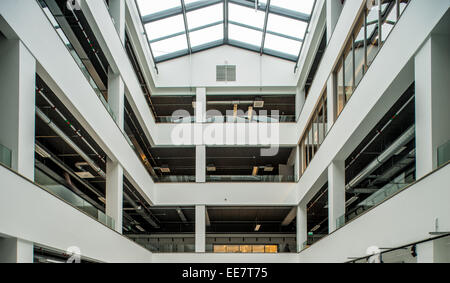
x=226 y=73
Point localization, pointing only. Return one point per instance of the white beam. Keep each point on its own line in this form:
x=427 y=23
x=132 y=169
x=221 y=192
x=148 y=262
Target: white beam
x=116 y=97
x=114 y=193
x=432 y=101
x=336 y=193
x=200 y=164
x=200 y=229
x=302 y=226
x=13 y=250
x=117 y=11
x=334 y=9
x=17 y=102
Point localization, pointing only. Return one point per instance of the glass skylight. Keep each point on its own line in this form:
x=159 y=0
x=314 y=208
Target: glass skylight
x=205 y=16
x=168 y=22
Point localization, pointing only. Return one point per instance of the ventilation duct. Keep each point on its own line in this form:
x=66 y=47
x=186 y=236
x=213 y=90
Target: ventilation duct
x=226 y=73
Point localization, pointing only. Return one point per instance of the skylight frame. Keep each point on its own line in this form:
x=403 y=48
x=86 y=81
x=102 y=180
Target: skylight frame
x=266 y=7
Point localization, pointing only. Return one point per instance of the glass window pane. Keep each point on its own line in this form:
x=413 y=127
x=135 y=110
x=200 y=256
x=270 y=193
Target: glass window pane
x=302 y=6
x=165 y=27
x=220 y=248
x=271 y=249
x=204 y=16
x=286 y=26
x=348 y=55
x=206 y=35
x=372 y=35
x=282 y=44
x=358 y=46
x=390 y=19
x=340 y=88
x=403 y=4
x=170 y=45
x=247 y=16
x=245 y=249
x=232 y=249
x=150 y=7
x=246 y=35
x=258 y=249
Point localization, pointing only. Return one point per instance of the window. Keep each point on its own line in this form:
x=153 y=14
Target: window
x=368 y=36
x=315 y=133
x=245 y=249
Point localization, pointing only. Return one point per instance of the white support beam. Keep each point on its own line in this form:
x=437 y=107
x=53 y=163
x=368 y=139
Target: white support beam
x=13 y=250
x=432 y=101
x=116 y=97
x=200 y=228
x=334 y=9
x=114 y=193
x=331 y=101
x=336 y=193
x=299 y=101
x=200 y=164
x=117 y=11
x=302 y=226
x=200 y=105
x=17 y=104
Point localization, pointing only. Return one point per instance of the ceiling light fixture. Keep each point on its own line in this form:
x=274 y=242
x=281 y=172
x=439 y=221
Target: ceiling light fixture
x=258 y=103
x=211 y=168
x=257 y=227
x=268 y=168
x=255 y=171
x=164 y=169
x=39 y=150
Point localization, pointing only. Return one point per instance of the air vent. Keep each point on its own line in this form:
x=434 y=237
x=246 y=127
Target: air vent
x=226 y=73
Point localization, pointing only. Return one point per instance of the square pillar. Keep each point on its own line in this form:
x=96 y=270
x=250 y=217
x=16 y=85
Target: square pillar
x=117 y=12
x=200 y=228
x=432 y=100
x=200 y=164
x=116 y=97
x=334 y=9
x=114 y=193
x=336 y=193
x=302 y=226
x=13 y=250
x=17 y=104
x=200 y=105
x=331 y=101
x=299 y=102
x=437 y=251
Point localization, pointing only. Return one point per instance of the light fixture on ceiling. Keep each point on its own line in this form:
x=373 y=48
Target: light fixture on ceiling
x=315 y=228
x=164 y=169
x=140 y=228
x=255 y=171
x=102 y=199
x=211 y=168
x=268 y=168
x=258 y=103
x=257 y=227
x=39 y=150
x=352 y=200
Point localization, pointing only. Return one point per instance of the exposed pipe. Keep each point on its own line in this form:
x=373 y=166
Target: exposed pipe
x=383 y=157
x=69 y=142
x=140 y=212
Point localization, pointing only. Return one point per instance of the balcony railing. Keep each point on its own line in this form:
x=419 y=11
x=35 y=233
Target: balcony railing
x=65 y=194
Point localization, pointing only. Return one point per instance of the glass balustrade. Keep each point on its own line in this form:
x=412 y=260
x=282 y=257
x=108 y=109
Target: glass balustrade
x=65 y=194
x=444 y=154
x=5 y=156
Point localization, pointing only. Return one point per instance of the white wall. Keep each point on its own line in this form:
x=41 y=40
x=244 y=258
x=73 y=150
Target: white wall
x=30 y=213
x=406 y=218
x=227 y=194
x=199 y=69
x=224 y=258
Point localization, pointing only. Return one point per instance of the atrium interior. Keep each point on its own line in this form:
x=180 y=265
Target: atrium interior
x=231 y=131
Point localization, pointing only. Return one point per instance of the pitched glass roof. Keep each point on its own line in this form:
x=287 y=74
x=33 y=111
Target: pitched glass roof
x=180 y=27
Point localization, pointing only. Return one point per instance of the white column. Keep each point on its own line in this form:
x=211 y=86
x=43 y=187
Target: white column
x=200 y=228
x=437 y=251
x=116 y=96
x=17 y=104
x=114 y=193
x=299 y=101
x=200 y=105
x=331 y=101
x=334 y=9
x=432 y=101
x=14 y=250
x=117 y=11
x=336 y=193
x=302 y=226
x=200 y=164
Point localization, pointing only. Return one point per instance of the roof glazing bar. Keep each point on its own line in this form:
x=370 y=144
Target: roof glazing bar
x=225 y=21
x=178 y=11
x=266 y=18
x=186 y=28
